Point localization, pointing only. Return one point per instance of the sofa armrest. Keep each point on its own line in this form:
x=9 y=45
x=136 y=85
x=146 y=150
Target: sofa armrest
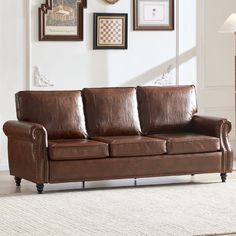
x=220 y=128
x=27 y=150
x=212 y=126
x=23 y=130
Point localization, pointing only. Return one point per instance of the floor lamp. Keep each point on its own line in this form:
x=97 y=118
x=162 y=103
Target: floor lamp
x=229 y=27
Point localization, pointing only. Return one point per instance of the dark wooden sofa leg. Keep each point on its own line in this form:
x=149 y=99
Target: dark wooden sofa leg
x=223 y=177
x=17 y=181
x=40 y=188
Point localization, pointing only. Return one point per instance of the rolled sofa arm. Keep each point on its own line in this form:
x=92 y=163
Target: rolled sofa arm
x=23 y=130
x=27 y=150
x=220 y=128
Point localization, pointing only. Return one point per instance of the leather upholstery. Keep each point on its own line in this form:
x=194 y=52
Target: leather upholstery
x=166 y=109
x=75 y=149
x=60 y=112
x=27 y=150
x=112 y=117
x=219 y=128
x=212 y=126
x=111 y=111
x=125 y=146
x=148 y=166
x=181 y=143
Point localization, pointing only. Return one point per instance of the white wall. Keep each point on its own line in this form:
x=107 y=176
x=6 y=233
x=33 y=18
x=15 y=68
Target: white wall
x=12 y=64
x=187 y=42
x=216 y=82
x=74 y=65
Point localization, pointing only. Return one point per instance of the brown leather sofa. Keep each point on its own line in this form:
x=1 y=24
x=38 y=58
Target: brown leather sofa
x=110 y=133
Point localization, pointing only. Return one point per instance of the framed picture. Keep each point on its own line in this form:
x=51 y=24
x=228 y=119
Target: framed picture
x=153 y=14
x=61 y=20
x=110 y=31
x=111 y=1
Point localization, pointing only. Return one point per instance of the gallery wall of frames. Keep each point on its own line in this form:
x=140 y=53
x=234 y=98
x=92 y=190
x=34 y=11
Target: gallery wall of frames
x=142 y=37
x=63 y=20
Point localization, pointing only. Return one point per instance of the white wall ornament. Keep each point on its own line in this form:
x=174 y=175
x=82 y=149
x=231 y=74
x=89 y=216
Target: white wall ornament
x=166 y=78
x=40 y=80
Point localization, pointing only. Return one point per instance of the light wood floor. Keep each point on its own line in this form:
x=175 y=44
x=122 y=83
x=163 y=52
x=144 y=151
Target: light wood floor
x=7 y=184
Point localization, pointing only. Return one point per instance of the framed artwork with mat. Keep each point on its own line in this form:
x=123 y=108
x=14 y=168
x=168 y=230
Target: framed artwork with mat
x=110 y=31
x=153 y=14
x=61 y=20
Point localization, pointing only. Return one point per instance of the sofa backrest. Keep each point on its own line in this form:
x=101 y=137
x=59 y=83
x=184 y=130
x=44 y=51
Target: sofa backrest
x=60 y=112
x=111 y=111
x=166 y=109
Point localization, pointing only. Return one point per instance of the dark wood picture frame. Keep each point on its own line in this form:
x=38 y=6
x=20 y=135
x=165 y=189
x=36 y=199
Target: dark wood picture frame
x=138 y=26
x=97 y=31
x=43 y=11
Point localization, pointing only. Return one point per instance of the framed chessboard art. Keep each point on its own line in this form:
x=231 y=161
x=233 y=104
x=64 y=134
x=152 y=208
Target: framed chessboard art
x=110 y=31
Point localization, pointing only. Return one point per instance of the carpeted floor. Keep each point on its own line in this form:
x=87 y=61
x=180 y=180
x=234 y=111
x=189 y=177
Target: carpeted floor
x=183 y=209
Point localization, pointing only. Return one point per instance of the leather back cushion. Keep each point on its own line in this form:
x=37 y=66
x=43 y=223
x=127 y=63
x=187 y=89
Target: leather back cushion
x=60 y=112
x=166 y=109
x=111 y=111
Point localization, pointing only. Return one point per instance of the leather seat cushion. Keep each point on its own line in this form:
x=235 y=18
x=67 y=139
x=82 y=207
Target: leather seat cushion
x=181 y=143
x=126 y=146
x=74 y=149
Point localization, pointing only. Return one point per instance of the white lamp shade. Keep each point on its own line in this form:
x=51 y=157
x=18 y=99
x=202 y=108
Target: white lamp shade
x=230 y=25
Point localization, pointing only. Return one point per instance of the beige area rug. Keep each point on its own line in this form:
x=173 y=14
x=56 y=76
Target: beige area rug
x=181 y=209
